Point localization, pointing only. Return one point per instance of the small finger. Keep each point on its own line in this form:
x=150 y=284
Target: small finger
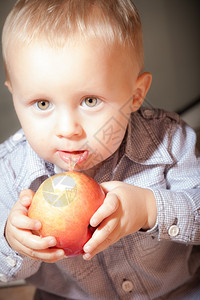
x=102 y=233
x=51 y=255
x=47 y=255
x=110 y=205
x=102 y=246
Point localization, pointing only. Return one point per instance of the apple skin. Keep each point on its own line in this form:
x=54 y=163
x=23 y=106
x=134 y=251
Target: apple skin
x=65 y=212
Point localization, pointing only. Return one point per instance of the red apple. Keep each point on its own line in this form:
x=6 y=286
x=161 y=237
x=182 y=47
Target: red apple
x=64 y=204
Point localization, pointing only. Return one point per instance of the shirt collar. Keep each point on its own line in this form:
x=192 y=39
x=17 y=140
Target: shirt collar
x=142 y=145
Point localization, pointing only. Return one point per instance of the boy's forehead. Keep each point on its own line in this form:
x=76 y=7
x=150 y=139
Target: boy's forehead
x=79 y=46
x=81 y=64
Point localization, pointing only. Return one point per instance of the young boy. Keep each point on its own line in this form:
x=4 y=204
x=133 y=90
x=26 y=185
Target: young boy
x=75 y=71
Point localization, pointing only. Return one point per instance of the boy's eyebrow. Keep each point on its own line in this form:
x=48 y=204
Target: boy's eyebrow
x=43 y=96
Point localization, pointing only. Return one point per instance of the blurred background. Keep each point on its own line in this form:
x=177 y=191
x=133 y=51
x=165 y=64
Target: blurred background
x=172 y=54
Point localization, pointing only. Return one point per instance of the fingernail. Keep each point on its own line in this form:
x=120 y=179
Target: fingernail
x=87 y=256
x=87 y=249
x=59 y=253
x=37 y=225
x=52 y=243
x=93 y=222
x=25 y=200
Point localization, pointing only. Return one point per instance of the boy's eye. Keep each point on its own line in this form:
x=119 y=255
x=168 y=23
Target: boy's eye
x=43 y=104
x=90 y=102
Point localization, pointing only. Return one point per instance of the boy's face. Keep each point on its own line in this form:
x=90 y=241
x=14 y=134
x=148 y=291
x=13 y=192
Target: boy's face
x=73 y=103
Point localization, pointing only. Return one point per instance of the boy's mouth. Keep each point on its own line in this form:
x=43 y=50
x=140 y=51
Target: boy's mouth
x=73 y=157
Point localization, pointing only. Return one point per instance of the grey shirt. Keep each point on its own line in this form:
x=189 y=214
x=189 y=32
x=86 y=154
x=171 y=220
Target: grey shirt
x=158 y=152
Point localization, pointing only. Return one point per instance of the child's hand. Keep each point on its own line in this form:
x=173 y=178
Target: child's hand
x=125 y=210
x=18 y=233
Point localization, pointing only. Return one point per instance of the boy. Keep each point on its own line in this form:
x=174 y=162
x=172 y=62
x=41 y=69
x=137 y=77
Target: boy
x=75 y=71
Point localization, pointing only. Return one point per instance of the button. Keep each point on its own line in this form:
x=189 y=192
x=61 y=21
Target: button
x=18 y=136
x=173 y=230
x=148 y=113
x=11 y=261
x=3 y=278
x=127 y=286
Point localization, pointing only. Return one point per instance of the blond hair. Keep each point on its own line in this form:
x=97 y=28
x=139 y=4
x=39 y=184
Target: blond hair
x=57 y=21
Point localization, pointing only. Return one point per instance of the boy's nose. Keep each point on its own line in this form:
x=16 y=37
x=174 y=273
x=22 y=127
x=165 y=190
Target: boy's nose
x=68 y=126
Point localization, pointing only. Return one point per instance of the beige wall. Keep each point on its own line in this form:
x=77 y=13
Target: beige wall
x=171 y=43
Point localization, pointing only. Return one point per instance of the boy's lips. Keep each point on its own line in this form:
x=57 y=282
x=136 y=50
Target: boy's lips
x=73 y=157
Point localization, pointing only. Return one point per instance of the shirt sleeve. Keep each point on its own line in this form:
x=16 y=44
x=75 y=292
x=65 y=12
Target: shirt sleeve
x=13 y=266
x=178 y=206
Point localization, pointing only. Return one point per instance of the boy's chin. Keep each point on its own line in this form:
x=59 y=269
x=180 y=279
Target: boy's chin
x=92 y=171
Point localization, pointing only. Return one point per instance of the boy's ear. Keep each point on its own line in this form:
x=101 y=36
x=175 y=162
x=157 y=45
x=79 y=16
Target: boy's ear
x=8 y=84
x=142 y=86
